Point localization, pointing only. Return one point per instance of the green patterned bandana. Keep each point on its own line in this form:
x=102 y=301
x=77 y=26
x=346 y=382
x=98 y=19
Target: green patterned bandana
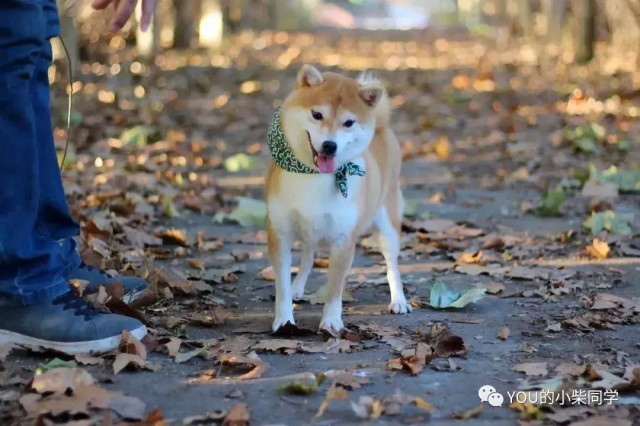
x=283 y=156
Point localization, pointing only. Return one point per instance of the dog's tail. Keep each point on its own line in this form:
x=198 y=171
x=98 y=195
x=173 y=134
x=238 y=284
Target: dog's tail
x=383 y=107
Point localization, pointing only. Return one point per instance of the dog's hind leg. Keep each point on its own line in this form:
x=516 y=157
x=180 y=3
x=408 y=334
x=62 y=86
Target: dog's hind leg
x=306 y=265
x=388 y=222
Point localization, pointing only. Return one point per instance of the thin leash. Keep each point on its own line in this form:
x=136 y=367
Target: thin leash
x=70 y=65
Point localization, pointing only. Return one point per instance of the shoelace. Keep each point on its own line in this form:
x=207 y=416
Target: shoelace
x=91 y=268
x=79 y=306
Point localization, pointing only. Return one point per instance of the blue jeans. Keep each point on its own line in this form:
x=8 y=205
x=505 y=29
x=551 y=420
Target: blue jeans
x=36 y=228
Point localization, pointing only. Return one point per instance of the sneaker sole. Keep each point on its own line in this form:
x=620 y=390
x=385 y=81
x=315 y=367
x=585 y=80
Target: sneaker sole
x=72 y=348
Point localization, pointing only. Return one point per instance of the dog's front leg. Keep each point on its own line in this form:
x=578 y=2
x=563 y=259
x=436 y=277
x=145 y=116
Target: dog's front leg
x=340 y=261
x=280 y=244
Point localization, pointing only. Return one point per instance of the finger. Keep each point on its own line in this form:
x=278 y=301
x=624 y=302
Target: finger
x=123 y=12
x=148 y=9
x=100 y=4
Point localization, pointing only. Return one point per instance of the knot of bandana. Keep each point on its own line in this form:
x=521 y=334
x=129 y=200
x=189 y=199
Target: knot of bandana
x=282 y=155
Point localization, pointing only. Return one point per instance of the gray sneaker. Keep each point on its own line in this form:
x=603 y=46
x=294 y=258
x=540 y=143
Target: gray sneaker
x=66 y=323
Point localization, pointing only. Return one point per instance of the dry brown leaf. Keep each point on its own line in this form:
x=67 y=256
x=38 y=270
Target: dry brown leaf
x=470 y=258
x=196 y=264
x=173 y=346
x=503 y=334
x=251 y=362
x=124 y=360
x=61 y=380
x=468 y=414
x=333 y=393
x=494 y=287
x=140 y=239
x=570 y=369
x=423 y=405
x=599 y=249
x=414 y=363
x=532 y=368
x=238 y=416
x=277 y=345
x=173 y=237
x=130 y=345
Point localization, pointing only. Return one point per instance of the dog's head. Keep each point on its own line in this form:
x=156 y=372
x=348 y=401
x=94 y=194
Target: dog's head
x=329 y=119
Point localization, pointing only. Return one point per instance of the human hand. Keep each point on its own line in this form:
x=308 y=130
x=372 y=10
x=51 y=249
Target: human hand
x=124 y=9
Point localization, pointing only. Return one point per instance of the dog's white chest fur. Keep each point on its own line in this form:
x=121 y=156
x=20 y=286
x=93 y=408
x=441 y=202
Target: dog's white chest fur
x=312 y=209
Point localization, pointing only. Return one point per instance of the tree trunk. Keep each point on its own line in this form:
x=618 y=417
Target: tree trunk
x=69 y=33
x=211 y=24
x=585 y=11
x=555 y=13
x=525 y=18
x=184 y=30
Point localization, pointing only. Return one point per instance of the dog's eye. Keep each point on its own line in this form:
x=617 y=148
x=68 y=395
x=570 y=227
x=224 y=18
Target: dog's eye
x=316 y=115
x=348 y=123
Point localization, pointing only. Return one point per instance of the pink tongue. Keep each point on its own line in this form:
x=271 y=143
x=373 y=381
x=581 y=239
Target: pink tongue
x=326 y=164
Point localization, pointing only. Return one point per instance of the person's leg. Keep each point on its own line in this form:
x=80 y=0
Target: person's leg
x=31 y=264
x=54 y=218
x=36 y=304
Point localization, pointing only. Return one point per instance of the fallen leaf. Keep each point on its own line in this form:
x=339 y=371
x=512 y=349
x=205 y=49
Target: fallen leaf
x=503 y=334
x=124 y=360
x=440 y=297
x=61 y=380
x=173 y=346
x=423 y=405
x=267 y=273
x=276 y=345
x=470 y=258
x=607 y=221
x=468 y=414
x=415 y=363
x=532 y=368
x=494 y=288
x=173 y=237
x=238 y=416
x=367 y=408
x=130 y=345
x=333 y=393
x=599 y=249
x=253 y=363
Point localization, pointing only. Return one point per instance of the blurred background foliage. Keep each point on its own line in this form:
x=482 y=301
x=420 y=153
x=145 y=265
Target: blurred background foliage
x=574 y=29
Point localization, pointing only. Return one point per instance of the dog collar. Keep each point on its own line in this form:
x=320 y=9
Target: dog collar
x=283 y=156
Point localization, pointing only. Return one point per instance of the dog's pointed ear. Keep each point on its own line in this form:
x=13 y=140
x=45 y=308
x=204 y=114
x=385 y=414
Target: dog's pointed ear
x=309 y=76
x=371 y=93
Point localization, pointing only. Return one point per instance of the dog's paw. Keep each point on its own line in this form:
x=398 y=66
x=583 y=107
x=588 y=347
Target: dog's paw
x=281 y=321
x=332 y=324
x=400 y=307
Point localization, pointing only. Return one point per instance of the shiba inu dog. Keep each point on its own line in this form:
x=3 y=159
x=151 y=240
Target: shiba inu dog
x=334 y=174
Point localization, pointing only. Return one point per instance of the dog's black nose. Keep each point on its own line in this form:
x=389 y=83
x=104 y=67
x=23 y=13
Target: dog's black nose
x=329 y=147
